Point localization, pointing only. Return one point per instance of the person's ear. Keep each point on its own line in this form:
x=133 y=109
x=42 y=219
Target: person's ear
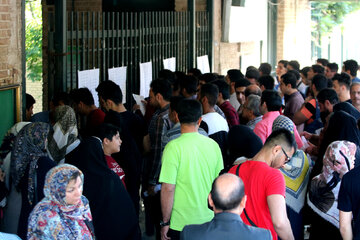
x=199 y=121
x=276 y=149
x=106 y=141
x=211 y=202
x=158 y=97
x=243 y=202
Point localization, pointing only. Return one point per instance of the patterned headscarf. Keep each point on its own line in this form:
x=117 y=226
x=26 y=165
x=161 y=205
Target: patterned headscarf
x=339 y=158
x=54 y=213
x=28 y=148
x=64 y=132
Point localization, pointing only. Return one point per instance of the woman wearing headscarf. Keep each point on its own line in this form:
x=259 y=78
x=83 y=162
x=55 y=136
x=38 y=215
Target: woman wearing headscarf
x=11 y=212
x=63 y=137
x=242 y=144
x=28 y=168
x=324 y=189
x=341 y=126
x=296 y=173
x=64 y=213
x=113 y=212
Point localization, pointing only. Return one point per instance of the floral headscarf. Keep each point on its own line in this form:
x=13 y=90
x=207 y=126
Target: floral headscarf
x=339 y=158
x=28 y=148
x=54 y=213
x=64 y=132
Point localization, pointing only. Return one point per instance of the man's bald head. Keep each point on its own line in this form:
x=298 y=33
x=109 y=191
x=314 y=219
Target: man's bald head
x=253 y=89
x=227 y=192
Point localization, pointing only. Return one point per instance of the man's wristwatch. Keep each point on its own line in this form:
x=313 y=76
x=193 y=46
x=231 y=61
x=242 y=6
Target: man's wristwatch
x=163 y=224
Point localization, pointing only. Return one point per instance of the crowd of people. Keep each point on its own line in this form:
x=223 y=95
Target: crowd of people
x=251 y=156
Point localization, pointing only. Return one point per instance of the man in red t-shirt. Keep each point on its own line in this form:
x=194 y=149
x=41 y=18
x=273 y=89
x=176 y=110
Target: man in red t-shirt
x=111 y=142
x=265 y=185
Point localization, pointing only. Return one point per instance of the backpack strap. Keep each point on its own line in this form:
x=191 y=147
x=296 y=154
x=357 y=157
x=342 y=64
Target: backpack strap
x=246 y=215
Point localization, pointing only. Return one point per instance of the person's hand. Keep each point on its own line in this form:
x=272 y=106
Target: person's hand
x=2 y=175
x=151 y=190
x=164 y=232
x=306 y=135
x=311 y=149
x=136 y=107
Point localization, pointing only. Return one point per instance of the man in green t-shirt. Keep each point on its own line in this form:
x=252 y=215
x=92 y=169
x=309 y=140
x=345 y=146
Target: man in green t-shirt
x=190 y=164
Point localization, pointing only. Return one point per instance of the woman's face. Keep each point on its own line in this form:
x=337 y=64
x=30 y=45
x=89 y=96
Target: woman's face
x=73 y=191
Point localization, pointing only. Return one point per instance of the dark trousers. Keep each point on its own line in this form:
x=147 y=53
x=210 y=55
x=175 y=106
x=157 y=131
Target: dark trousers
x=173 y=234
x=153 y=214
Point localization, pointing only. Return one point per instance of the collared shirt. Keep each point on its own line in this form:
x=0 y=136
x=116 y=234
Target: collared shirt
x=251 y=124
x=159 y=124
x=264 y=128
x=231 y=115
x=174 y=133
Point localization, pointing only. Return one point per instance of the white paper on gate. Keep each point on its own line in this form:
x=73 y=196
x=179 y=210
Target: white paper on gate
x=138 y=100
x=118 y=76
x=90 y=80
x=145 y=78
x=203 y=64
x=170 y=64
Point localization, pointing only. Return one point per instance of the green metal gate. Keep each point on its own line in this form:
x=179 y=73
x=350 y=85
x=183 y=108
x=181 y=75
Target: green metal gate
x=107 y=40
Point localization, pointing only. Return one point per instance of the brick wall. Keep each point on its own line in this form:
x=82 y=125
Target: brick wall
x=10 y=42
x=293 y=31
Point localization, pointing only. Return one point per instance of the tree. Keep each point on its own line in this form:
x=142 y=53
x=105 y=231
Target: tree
x=33 y=41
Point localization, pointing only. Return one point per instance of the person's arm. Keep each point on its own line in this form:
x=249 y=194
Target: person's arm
x=277 y=207
x=345 y=225
x=167 y=201
x=299 y=118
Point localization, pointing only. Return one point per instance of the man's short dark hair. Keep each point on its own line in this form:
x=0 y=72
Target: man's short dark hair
x=242 y=83
x=110 y=90
x=267 y=81
x=235 y=75
x=282 y=137
x=30 y=100
x=284 y=62
x=107 y=130
x=233 y=199
x=272 y=100
x=265 y=68
x=189 y=83
x=207 y=77
x=82 y=95
x=333 y=67
x=63 y=97
x=211 y=92
x=296 y=73
x=343 y=79
x=253 y=89
x=189 y=111
x=318 y=69
x=305 y=71
x=252 y=73
x=162 y=86
x=223 y=88
x=327 y=94
x=195 y=72
x=294 y=64
x=289 y=78
x=322 y=61
x=320 y=82
x=174 y=102
x=351 y=65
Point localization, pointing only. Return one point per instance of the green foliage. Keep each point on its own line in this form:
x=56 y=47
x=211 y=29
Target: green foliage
x=33 y=41
x=326 y=15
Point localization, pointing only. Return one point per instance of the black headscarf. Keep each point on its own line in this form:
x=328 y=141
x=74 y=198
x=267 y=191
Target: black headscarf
x=342 y=126
x=242 y=142
x=348 y=108
x=113 y=212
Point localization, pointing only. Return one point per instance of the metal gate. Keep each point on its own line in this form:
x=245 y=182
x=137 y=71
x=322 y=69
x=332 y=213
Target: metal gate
x=106 y=40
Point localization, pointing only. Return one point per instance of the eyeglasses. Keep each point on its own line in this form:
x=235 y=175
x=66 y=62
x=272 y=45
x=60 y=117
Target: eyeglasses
x=287 y=157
